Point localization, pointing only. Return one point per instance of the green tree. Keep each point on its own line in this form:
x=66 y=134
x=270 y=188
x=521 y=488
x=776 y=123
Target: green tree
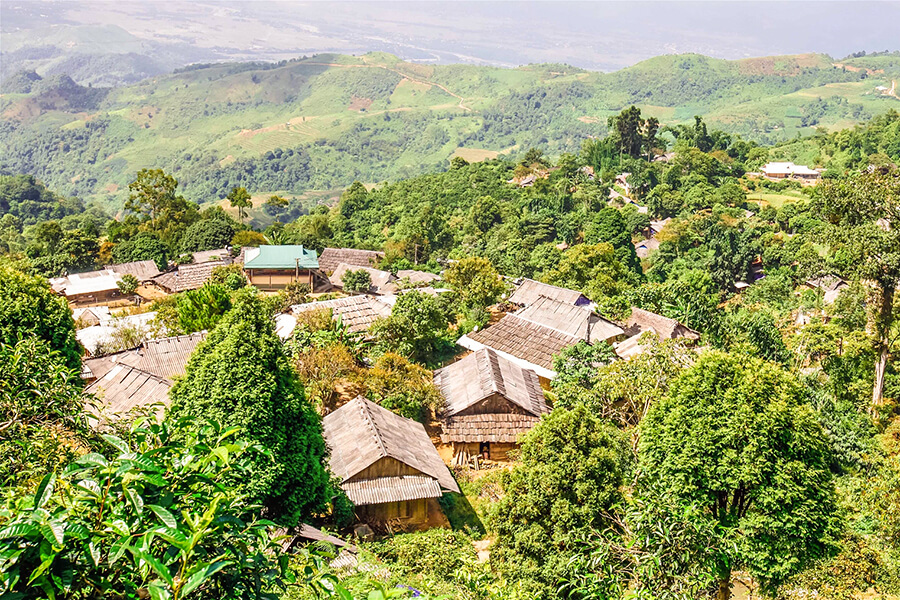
x=29 y=308
x=863 y=215
x=207 y=234
x=239 y=375
x=128 y=284
x=592 y=268
x=414 y=328
x=147 y=517
x=567 y=483
x=476 y=281
x=240 y=199
x=143 y=246
x=153 y=196
x=356 y=281
x=733 y=436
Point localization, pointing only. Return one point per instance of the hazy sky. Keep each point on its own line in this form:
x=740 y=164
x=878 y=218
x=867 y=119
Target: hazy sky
x=596 y=35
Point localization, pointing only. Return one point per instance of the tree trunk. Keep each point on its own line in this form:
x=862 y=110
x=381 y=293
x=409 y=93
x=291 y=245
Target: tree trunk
x=724 y=592
x=883 y=324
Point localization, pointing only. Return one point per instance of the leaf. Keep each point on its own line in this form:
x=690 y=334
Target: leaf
x=53 y=531
x=93 y=459
x=158 y=592
x=117 y=550
x=173 y=536
x=117 y=443
x=222 y=453
x=202 y=575
x=93 y=553
x=164 y=515
x=134 y=498
x=18 y=530
x=42 y=568
x=45 y=490
x=155 y=564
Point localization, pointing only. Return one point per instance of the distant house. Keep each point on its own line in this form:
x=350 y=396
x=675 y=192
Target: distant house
x=830 y=285
x=271 y=268
x=138 y=377
x=386 y=464
x=532 y=336
x=643 y=321
x=490 y=403
x=382 y=282
x=356 y=313
x=785 y=170
x=93 y=315
x=656 y=227
x=96 y=338
x=95 y=287
x=332 y=257
x=417 y=276
x=529 y=291
x=191 y=276
x=644 y=248
x=142 y=270
x=220 y=254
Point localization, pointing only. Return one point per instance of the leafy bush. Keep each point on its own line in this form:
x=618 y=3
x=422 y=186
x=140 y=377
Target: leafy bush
x=128 y=284
x=437 y=552
x=356 y=281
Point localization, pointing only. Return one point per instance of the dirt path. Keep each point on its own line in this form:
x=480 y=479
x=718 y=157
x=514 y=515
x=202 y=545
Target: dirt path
x=461 y=104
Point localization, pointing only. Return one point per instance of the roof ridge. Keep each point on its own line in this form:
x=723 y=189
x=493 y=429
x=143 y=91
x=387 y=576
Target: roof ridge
x=370 y=422
x=496 y=375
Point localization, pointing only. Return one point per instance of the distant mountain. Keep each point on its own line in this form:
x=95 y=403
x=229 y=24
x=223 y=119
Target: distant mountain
x=319 y=123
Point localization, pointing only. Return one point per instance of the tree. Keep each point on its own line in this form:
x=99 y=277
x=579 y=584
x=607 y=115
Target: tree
x=567 y=481
x=154 y=516
x=41 y=416
x=592 y=268
x=356 y=281
x=580 y=364
x=404 y=387
x=476 y=281
x=30 y=309
x=627 y=129
x=414 y=328
x=733 y=436
x=248 y=238
x=240 y=375
x=863 y=215
x=128 y=284
x=201 y=309
x=143 y=246
x=207 y=234
x=152 y=196
x=240 y=199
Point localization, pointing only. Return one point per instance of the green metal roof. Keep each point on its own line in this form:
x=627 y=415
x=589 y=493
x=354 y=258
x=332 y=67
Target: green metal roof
x=280 y=257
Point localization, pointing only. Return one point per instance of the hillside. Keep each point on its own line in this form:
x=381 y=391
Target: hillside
x=319 y=123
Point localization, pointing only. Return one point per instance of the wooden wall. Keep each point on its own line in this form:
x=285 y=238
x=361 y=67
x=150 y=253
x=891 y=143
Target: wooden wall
x=385 y=467
x=407 y=512
x=274 y=279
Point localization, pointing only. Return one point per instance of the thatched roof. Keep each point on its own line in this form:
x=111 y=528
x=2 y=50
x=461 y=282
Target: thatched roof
x=417 y=276
x=141 y=269
x=357 y=313
x=484 y=373
x=383 y=282
x=188 y=277
x=332 y=257
x=208 y=255
x=577 y=321
x=124 y=388
x=643 y=248
x=530 y=343
x=361 y=433
x=530 y=290
x=164 y=357
x=641 y=321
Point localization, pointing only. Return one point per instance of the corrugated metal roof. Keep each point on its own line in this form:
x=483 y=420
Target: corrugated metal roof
x=141 y=269
x=360 y=433
x=124 y=388
x=168 y=357
x=391 y=489
x=332 y=257
x=91 y=282
x=280 y=257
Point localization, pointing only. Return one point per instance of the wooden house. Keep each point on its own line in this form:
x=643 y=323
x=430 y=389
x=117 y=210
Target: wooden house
x=143 y=270
x=382 y=282
x=529 y=291
x=92 y=288
x=271 y=268
x=387 y=465
x=186 y=277
x=356 y=313
x=332 y=257
x=532 y=336
x=643 y=321
x=490 y=403
x=788 y=170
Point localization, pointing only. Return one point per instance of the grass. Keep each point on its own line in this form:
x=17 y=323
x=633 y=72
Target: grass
x=775 y=200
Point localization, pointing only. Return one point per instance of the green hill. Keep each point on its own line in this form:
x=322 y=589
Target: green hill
x=321 y=122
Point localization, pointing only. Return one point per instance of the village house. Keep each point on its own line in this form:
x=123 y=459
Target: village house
x=788 y=170
x=143 y=270
x=332 y=257
x=92 y=288
x=137 y=377
x=530 y=291
x=92 y=315
x=382 y=282
x=643 y=321
x=387 y=465
x=417 y=277
x=490 y=403
x=532 y=336
x=271 y=268
x=97 y=338
x=644 y=248
x=831 y=286
x=356 y=313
